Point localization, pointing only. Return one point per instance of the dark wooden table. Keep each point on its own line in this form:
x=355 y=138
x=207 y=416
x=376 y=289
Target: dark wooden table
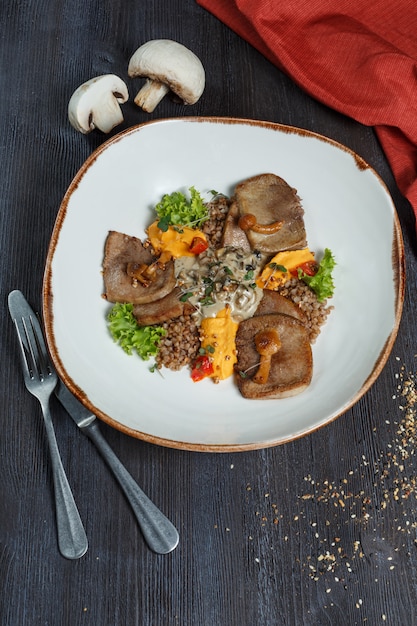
x=318 y=531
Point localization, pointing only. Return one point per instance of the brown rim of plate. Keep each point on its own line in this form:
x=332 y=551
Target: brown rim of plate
x=398 y=266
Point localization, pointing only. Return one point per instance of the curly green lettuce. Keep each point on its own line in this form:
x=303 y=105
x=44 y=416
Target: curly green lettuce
x=176 y=210
x=144 y=340
x=322 y=282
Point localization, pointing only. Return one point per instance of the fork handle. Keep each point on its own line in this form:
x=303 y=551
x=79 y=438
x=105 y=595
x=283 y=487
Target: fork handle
x=72 y=540
x=160 y=534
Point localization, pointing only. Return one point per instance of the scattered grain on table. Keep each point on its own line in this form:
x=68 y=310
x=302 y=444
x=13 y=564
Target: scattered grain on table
x=395 y=481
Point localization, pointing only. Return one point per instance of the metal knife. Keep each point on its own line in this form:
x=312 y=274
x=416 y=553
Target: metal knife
x=160 y=534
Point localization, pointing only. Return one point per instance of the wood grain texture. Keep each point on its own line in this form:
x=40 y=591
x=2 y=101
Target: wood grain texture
x=319 y=531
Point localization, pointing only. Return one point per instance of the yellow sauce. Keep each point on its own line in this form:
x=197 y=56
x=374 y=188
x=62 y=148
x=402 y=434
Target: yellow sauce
x=218 y=339
x=272 y=277
x=174 y=242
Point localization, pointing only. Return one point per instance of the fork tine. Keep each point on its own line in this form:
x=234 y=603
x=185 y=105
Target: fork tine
x=27 y=351
x=32 y=349
x=24 y=347
x=37 y=347
x=33 y=354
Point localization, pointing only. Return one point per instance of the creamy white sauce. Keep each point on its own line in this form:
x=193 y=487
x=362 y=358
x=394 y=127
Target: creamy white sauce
x=218 y=278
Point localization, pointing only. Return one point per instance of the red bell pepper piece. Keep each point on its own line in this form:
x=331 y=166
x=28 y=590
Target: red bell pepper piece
x=198 y=245
x=309 y=267
x=201 y=368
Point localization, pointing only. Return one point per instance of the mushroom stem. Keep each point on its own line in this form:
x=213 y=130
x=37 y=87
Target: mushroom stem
x=267 y=344
x=142 y=272
x=248 y=222
x=109 y=116
x=151 y=95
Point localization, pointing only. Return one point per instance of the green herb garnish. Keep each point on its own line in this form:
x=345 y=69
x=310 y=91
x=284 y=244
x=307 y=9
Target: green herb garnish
x=277 y=268
x=163 y=223
x=322 y=282
x=176 y=208
x=248 y=275
x=209 y=349
x=186 y=296
x=130 y=336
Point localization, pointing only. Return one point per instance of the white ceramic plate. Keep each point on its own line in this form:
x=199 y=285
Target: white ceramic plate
x=347 y=209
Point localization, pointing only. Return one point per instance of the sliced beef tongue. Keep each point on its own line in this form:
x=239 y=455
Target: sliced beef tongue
x=270 y=199
x=160 y=311
x=291 y=367
x=233 y=235
x=122 y=250
x=273 y=302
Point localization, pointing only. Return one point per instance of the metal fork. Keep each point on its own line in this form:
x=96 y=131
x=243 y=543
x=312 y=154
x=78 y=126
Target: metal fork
x=40 y=379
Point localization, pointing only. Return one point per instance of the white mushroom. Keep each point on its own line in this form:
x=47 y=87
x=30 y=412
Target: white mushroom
x=95 y=104
x=167 y=66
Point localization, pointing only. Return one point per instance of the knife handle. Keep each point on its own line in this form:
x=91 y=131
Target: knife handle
x=160 y=534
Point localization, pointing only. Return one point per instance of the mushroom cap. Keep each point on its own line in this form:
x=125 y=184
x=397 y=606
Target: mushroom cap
x=267 y=342
x=95 y=104
x=171 y=63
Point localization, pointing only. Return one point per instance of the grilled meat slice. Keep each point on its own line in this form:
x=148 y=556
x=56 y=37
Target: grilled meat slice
x=159 y=311
x=291 y=367
x=233 y=235
x=273 y=302
x=270 y=199
x=122 y=252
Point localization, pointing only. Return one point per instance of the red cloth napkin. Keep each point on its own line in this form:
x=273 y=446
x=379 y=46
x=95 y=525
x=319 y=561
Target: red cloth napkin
x=356 y=56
